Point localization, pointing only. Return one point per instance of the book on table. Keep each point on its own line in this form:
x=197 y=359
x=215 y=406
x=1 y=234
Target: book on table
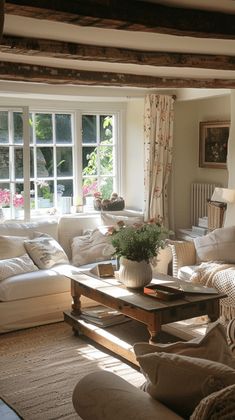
x=102 y=316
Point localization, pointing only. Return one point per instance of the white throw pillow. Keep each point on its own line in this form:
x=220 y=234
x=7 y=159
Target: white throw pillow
x=46 y=252
x=181 y=382
x=218 y=245
x=14 y=266
x=212 y=346
x=112 y=219
x=11 y=246
x=91 y=248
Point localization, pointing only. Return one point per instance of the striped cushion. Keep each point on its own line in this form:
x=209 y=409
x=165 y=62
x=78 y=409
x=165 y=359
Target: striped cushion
x=231 y=335
x=183 y=253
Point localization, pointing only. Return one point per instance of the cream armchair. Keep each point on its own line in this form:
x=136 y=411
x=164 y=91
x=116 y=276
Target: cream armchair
x=209 y=260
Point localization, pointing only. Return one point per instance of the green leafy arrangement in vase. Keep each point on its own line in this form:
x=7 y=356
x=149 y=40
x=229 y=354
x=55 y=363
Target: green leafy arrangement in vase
x=138 y=242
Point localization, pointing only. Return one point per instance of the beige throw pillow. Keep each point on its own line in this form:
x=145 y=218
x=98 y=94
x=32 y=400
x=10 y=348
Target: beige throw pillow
x=14 y=266
x=46 y=252
x=11 y=246
x=181 y=382
x=218 y=245
x=212 y=346
x=91 y=248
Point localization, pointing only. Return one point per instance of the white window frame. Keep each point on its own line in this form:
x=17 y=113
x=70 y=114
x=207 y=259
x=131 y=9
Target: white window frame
x=77 y=109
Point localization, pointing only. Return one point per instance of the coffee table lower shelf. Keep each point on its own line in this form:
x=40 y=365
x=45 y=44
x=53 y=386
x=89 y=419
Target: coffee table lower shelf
x=106 y=337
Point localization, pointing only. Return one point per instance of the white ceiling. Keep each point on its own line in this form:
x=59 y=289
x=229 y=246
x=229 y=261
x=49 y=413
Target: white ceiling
x=16 y=25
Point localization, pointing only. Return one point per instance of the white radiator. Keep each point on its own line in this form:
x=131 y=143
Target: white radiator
x=200 y=192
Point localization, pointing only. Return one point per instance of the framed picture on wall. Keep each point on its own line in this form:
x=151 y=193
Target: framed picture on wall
x=213 y=144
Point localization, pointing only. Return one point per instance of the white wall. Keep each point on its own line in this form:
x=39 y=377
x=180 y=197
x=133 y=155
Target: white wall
x=134 y=152
x=188 y=114
x=230 y=212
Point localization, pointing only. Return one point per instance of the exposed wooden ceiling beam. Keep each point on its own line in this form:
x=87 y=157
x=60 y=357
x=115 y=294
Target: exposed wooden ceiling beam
x=52 y=75
x=128 y=15
x=1 y=17
x=68 y=50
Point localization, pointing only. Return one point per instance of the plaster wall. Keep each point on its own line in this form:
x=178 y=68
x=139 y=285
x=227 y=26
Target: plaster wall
x=230 y=212
x=134 y=152
x=188 y=115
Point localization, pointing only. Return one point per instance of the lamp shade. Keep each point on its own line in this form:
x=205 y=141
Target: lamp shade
x=223 y=195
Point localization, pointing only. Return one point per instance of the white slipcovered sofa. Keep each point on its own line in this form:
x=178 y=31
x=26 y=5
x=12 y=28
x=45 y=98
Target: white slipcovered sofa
x=36 y=291
x=210 y=261
x=193 y=380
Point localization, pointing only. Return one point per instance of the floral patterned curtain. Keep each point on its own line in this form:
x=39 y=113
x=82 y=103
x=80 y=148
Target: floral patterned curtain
x=158 y=145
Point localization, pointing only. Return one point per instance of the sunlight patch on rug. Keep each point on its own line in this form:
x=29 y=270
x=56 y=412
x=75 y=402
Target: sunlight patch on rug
x=41 y=366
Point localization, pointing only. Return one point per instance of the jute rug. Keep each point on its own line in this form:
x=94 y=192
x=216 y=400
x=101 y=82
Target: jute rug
x=41 y=366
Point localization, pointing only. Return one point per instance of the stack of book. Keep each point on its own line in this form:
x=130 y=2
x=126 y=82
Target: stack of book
x=102 y=316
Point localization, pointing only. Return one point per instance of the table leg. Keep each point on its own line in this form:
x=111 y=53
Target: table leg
x=154 y=328
x=214 y=311
x=76 y=303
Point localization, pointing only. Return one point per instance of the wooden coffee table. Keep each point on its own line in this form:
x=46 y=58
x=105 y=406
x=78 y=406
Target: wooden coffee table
x=134 y=304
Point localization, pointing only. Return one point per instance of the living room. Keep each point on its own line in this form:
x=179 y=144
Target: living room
x=36 y=78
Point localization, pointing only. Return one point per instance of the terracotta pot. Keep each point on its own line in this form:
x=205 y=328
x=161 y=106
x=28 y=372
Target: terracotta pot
x=135 y=274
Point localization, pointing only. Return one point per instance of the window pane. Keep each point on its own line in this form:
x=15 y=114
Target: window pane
x=44 y=162
x=4 y=127
x=89 y=160
x=43 y=128
x=32 y=174
x=63 y=128
x=4 y=162
x=64 y=161
x=89 y=129
x=19 y=162
x=45 y=194
x=106 y=160
x=89 y=187
x=106 y=187
x=5 y=195
x=18 y=127
x=31 y=127
x=106 y=129
x=65 y=188
x=32 y=195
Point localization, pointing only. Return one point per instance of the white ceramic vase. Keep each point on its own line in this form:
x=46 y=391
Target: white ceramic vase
x=135 y=274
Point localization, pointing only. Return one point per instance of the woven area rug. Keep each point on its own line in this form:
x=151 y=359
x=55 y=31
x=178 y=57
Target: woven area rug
x=41 y=366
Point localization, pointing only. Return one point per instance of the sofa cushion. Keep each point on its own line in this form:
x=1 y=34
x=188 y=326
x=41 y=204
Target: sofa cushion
x=112 y=219
x=212 y=346
x=92 y=247
x=37 y=283
x=11 y=246
x=218 y=405
x=27 y=229
x=45 y=252
x=17 y=265
x=183 y=253
x=218 y=245
x=180 y=382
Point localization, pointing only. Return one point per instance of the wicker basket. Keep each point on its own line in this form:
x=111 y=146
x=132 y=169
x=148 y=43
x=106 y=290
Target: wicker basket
x=116 y=205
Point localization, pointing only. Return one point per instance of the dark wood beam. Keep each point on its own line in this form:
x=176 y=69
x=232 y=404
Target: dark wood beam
x=54 y=75
x=73 y=51
x=129 y=15
x=1 y=17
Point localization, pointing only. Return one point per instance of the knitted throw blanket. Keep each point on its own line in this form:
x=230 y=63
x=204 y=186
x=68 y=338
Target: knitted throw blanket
x=222 y=277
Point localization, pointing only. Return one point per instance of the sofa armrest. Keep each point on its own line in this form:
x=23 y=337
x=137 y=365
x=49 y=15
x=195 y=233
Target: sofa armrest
x=183 y=253
x=103 y=395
